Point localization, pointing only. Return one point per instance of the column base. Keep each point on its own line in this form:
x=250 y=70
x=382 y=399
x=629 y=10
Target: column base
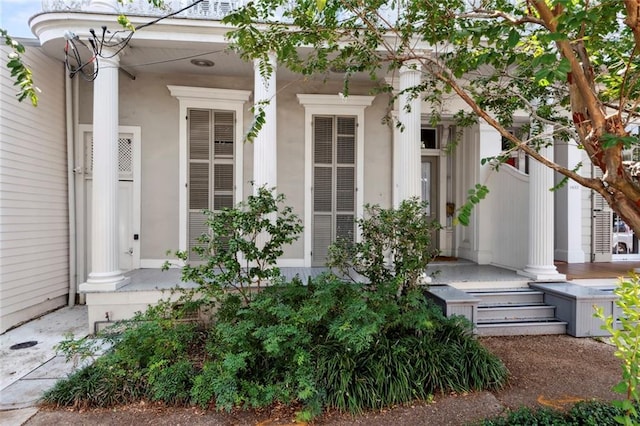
x=104 y=281
x=542 y=273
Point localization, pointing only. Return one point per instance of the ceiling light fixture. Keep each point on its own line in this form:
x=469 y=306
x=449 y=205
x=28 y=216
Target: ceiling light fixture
x=202 y=63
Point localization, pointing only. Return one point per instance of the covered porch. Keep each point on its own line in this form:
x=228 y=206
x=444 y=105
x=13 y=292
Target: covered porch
x=147 y=286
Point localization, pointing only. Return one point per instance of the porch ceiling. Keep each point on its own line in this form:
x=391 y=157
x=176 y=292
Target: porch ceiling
x=166 y=47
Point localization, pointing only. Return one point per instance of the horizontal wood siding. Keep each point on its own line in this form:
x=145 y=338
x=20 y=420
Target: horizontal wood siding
x=509 y=193
x=34 y=230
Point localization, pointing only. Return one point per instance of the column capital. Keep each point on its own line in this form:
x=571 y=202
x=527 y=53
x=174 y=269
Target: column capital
x=411 y=65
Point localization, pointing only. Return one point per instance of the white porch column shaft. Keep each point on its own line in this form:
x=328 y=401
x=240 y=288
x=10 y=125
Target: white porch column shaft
x=265 y=170
x=540 y=261
x=407 y=161
x=105 y=274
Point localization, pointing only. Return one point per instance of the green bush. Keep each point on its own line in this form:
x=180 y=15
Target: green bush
x=342 y=345
x=586 y=413
x=150 y=358
x=625 y=334
x=229 y=252
x=395 y=246
x=329 y=343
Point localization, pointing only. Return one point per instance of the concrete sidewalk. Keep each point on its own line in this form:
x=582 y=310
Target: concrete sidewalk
x=27 y=372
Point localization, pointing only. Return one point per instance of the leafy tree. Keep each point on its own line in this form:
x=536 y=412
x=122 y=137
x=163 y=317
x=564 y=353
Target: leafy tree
x=19 y=71
x=570 y=64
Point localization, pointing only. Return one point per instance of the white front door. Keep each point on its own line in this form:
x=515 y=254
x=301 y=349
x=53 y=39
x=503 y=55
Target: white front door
x=429 y=188
x=128 y=200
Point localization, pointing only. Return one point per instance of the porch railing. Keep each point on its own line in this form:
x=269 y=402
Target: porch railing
x=207 y=9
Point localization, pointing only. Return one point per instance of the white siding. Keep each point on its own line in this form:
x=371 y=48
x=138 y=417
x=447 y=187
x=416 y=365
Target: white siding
x=587 y=213
x=34 y=234
x=509 y=199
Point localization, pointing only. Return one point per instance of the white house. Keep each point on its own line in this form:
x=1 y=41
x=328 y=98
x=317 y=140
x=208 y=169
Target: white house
x=106 y=175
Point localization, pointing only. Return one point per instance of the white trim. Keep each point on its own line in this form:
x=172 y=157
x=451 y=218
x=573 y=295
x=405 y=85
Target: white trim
x=175 y=263
x=214 y=99
x=290 y=263
x=331 y=105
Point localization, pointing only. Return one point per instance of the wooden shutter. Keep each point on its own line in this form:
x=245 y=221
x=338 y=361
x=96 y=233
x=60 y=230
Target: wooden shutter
x=334 y=183
x=601 y=225
x=211 y=167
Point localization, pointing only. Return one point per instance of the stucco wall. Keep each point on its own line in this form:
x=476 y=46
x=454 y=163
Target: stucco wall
x=147 y=103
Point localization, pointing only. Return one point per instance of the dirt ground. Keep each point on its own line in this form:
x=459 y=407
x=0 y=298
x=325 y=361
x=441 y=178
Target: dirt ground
x=552 y=371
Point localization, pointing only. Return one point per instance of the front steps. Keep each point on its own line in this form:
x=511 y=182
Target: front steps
x=516 y=311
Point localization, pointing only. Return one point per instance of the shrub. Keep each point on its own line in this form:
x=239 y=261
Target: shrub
x=335 y=344
x=329 y=343
x=585 y=413
x=150 y=358
x=395 y=246
x=231 y=254
x=625 y=334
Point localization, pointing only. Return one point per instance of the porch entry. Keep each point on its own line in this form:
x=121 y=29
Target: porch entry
x=612 y=239
x=210 y=140
x=128 y=197
x=334 y=183
x=429 y=189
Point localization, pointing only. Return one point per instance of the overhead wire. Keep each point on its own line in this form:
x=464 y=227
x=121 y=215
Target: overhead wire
x=99 y=43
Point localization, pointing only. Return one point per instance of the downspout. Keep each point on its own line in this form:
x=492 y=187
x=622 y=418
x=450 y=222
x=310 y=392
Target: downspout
x=71 y=198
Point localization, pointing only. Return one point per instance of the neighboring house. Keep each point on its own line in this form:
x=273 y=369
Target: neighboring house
x=34 y=210
x=158 y=135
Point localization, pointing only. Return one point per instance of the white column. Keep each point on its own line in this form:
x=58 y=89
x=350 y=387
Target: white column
x=265 y=170
x=540 y=263
x=105 y=273
x=407 y=160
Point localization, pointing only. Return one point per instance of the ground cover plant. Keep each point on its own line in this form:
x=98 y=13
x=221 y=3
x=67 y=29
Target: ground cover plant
x=325 y=343
x=585 y=413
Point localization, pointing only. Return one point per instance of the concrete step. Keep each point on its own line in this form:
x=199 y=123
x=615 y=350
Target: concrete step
x=521 y=328
x=515 y=312
x=503 y=297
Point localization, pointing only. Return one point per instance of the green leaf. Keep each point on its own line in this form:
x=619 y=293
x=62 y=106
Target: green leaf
x=513 y=39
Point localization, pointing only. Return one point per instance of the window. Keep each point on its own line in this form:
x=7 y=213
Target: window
x=429 y=138
x=334 y=182
x=211 y=166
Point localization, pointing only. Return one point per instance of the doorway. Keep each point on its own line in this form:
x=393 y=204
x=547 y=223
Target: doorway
x=429 y=188
x=128 y=200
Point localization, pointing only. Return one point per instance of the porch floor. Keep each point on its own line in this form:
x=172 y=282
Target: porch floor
x=580 y=271
x=445 y=272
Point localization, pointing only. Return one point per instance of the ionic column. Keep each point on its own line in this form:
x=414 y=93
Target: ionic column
x=105 y=273
x=265 y=171
x=540 y=264
x=407 y=142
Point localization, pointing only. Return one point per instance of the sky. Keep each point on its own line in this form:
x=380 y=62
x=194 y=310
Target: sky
x=15 y=14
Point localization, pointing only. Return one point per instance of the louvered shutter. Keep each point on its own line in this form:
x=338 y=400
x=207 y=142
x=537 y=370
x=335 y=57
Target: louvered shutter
x=211 y=167
x=223 y=160
x=199 y=173
x=334 y=183
x=601 y=225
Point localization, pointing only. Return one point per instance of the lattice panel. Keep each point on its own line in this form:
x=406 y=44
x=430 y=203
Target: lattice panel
x=125 y=155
